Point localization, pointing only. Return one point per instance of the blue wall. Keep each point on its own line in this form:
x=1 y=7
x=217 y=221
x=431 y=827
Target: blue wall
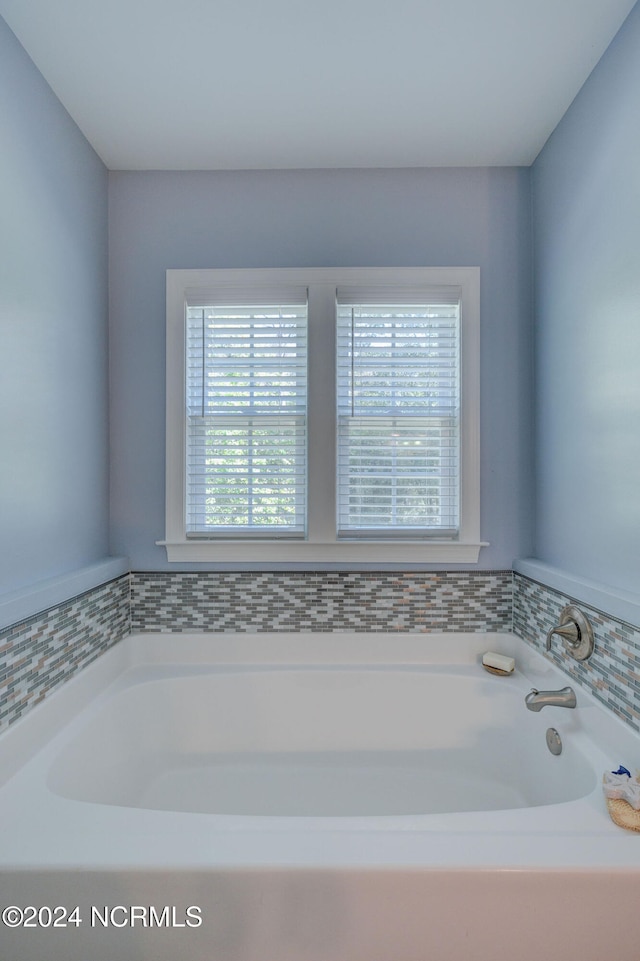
x=318 y=218
x=53 y=333
x=585 y=188
x=586 y=202
x=584 y=191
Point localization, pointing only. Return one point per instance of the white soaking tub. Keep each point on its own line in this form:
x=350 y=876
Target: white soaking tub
x=313 y=797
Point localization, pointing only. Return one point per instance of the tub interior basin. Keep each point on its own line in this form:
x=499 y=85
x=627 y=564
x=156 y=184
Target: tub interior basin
x=318 y=743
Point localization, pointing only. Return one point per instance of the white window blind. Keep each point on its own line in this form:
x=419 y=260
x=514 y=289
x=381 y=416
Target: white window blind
x=246 y=411
x=398 y=411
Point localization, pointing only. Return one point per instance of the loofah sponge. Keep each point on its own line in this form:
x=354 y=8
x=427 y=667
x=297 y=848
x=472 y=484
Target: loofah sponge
x=622 y=793
x=622 y=814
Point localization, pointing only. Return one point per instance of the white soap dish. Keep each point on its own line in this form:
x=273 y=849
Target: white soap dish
x=498 y=664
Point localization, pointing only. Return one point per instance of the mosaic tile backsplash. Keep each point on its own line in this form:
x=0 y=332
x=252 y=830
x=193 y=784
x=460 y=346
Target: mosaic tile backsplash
x=42 y=652
x=612 y=673
x=299 y=601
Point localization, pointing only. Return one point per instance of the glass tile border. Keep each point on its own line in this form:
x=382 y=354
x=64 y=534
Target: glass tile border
x=42 y=652
x=47 y=649
x=323 y=601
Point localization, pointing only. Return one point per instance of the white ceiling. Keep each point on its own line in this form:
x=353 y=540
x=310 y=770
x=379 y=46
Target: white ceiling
x=233 y=84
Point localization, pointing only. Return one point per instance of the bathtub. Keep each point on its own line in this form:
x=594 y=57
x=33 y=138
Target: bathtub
x=314 y=797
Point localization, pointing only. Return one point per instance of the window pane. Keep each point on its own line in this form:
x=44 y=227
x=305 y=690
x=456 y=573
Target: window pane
x=246 y=420
x=398 y=419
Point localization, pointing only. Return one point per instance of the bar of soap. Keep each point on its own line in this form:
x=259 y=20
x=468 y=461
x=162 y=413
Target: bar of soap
x=499 y=662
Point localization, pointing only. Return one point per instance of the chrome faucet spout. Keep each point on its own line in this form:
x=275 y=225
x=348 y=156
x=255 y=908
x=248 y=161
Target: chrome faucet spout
x=536 y=700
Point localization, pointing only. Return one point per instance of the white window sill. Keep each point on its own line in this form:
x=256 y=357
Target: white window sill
x=432 y=551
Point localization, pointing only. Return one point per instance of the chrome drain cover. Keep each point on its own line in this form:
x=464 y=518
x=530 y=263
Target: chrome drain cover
x=554 y=741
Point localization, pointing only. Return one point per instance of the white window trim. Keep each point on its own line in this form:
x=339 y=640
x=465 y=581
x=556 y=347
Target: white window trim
x=322 y=544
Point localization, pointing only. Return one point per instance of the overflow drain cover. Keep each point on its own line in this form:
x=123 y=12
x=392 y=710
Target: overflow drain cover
x=554 y=742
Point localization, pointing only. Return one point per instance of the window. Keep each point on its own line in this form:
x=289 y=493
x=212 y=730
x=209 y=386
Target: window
x=398 y=415
x=246 y=404
x=323 y=416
